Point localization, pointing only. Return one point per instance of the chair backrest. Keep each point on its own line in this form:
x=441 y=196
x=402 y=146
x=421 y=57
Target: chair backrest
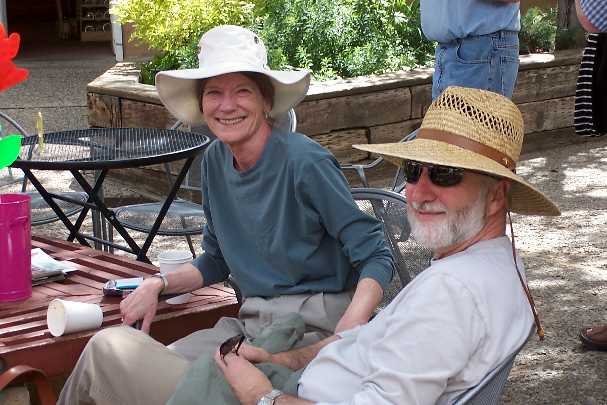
x=410 y=258
x=361 y=169
x=489 y=390
x=287 y=121
x=399 y=183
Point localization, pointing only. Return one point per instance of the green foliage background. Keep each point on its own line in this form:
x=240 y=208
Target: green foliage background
x=333 y=38
x=538 y=30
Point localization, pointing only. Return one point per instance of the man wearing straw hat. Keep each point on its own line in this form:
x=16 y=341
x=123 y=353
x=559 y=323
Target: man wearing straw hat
x=469 y=310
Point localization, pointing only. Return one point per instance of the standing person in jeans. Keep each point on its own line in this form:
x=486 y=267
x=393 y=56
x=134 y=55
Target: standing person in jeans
x=477 y=43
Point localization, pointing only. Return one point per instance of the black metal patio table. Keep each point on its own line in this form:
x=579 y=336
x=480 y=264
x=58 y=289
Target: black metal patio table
x=103 y=149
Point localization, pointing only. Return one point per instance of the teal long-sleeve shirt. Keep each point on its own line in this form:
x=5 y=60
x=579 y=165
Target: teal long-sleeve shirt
x=288 y=225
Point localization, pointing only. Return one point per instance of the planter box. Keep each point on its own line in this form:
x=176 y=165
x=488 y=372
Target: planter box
x=368 y=109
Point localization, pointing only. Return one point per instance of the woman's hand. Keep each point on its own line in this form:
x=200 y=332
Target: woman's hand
x=248 y=383
x=142 y=303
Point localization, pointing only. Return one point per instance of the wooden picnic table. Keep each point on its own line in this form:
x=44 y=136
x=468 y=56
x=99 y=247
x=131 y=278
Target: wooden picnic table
x=25 y=338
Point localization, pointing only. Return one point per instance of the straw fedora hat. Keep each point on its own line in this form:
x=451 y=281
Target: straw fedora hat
x=227 y=49
x=476 y=130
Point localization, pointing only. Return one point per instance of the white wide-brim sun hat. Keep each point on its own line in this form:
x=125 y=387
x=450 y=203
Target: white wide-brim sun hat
x=476 y=130
x=228 y=49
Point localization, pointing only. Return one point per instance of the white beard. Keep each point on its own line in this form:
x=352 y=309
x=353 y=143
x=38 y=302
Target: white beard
x=453 y=228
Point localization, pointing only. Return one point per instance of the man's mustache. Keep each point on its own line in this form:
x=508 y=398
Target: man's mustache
x=432 y=207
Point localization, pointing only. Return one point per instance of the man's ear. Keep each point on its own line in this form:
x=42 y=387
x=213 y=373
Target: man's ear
x=497 y=197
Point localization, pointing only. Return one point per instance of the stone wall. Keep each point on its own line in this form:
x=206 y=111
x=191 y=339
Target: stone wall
x=369 y=109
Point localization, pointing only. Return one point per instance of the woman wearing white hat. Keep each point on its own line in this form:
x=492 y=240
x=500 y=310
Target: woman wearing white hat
x=279 y=218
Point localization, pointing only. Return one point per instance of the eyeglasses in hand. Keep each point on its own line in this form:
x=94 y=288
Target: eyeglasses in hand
x=231 y=345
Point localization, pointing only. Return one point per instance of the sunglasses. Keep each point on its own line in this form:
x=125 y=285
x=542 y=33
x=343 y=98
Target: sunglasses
x=231 y=345
x=442 y=176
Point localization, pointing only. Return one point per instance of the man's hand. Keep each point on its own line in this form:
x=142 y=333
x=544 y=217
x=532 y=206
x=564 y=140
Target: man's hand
x=141 y=303
x=247 y=382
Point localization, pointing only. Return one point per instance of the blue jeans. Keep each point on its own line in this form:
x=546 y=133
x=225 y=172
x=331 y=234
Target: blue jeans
x=488 y=62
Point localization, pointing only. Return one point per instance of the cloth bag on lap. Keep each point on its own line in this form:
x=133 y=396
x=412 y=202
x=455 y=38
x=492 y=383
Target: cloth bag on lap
x=205 y=380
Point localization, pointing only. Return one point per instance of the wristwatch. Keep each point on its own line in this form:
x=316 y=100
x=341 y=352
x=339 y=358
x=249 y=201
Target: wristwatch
x=270 y=397
x=165 y=282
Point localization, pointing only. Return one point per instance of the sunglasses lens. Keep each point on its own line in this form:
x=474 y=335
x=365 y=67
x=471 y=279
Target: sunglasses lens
x=412 y=171
x=445 y=176
x=442 y=176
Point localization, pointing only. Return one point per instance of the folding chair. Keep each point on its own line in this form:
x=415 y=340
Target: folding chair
x=410 y=258
x=398 y=182
x=489 y=390
x=21 y=373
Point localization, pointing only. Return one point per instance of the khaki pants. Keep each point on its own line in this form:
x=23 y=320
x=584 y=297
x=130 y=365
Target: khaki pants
x=125 y=366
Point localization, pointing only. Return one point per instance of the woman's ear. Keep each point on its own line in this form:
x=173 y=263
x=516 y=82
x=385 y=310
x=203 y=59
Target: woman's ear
x=267 y=107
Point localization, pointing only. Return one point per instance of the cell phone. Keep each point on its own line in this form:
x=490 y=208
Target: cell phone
x=119 y=286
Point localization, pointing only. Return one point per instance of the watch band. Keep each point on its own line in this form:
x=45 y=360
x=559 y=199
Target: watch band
x=270 y=397
x=165 y=282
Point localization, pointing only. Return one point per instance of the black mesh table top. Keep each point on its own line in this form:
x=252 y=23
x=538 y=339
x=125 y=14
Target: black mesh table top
x=103 y=148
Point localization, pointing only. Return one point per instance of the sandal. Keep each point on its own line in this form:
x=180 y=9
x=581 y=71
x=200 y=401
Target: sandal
x=594 y=338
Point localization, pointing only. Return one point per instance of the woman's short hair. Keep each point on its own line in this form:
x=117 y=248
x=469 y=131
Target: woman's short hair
x=265 y=85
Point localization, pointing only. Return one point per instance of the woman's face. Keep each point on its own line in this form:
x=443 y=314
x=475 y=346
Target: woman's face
x=234 y=108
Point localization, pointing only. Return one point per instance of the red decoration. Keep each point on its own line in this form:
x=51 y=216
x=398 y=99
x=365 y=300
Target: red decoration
x=10 y=74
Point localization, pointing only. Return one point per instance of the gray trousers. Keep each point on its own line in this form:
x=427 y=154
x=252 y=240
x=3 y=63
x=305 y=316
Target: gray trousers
x=122 y=365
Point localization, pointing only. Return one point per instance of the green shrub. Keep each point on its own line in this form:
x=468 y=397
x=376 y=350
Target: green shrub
x=169 y=25
x=344 y=38
x=332 y=38
x=538 y=30
x=174 y=27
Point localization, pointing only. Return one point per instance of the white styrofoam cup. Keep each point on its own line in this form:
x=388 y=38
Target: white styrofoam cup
x=70 y=316
x=170 y=260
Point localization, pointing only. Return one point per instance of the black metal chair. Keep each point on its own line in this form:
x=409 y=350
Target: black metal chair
x=410 y=258
x=41 y=213
x=184 y=218
x=398 y=182
x=489 y=390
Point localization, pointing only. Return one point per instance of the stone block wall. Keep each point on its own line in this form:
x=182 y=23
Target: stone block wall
x=369 y=109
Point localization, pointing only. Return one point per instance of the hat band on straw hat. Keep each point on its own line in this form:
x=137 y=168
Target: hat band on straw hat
x=468 y=144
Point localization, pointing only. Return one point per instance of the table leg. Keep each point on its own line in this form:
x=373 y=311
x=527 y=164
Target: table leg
x=107 y=213
x=85 y=209
x=99 y=225
x=165 y=207
x=51 y=203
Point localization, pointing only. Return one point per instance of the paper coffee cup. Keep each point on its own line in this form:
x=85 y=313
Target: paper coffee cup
x=69 y=316
x=171 y=260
